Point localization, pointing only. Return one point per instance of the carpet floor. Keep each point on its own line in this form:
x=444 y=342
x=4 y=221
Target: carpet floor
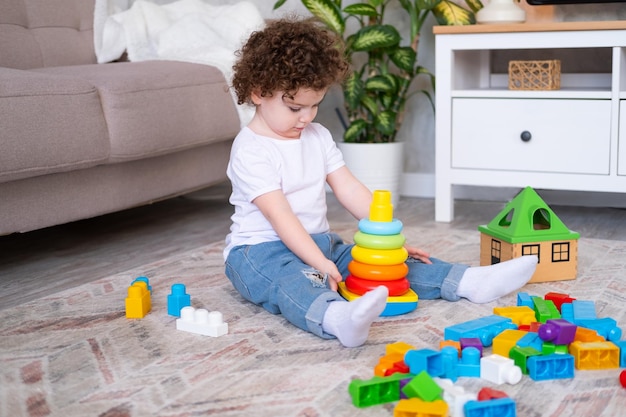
x=75 y=354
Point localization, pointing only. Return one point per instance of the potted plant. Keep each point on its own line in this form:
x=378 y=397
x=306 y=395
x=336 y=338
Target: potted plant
x=384 y=65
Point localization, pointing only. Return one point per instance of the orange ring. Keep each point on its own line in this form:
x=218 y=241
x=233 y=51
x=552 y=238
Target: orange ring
x=360 y=286
x=378 y=272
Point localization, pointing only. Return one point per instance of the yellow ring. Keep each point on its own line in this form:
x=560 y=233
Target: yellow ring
x=379 y=256
x=378 y=272
x=368 y=241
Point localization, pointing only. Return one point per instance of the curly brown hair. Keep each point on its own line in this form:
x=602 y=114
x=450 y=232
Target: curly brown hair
x=287 y=55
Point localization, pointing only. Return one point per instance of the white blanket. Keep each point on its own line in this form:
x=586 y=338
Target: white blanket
x=185 y=30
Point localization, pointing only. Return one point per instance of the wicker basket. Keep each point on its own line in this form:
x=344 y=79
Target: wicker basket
x=535 y=75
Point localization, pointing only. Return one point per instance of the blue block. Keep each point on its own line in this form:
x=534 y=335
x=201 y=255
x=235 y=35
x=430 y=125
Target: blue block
x=530 y=339
x=470 y=363
x=484 y=328
x=450 y=357
x=428 y=360
x=143 y=279
x=177 y=299
x=606 y=327
x=567 y=312
x=583 y=309
x=524 y=299
x=554 y=366
x=501 y=407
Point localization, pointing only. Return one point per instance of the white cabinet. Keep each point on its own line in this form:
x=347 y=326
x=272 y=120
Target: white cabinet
x=565 y=139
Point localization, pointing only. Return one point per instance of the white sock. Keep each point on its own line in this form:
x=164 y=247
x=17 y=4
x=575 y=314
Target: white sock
x=483 y=284
x=350 y=321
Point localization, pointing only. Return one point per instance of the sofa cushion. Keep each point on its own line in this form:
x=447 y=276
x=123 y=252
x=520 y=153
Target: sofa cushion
x=50 y=123
x=36 y=33
x=157 y=107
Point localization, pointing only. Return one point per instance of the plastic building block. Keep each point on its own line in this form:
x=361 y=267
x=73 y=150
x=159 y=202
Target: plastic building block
x=471 y=342
x=470 y=363
x=595 y=355
x=424 y=387
x=622 y=352
x=414 y=407
x=450 y=357
x=390 y=364
x=177 y=299
x=520 y=356
x=548 y=348
x=424 y=360
x=545 y=310
x=138 y=302
x=520 y=315
x=606 y=327
x=622 y=378
x=583 y=309
x=502 y=407
x=453 y=343
x=558 y=331
x=144 y=279
x=542 y=367
x=378 y=390
x=455 y=396
x=505 y=341
x=584 y=334
x=485 y=328
x=524 y=299
x=398 y=349
x=530 y=340
x=486 y=394
x=499 y=369
x=558 y=299
x=201 y=321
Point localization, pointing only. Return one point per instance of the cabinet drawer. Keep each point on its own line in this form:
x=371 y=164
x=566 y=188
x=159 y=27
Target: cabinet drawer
x=563 y=136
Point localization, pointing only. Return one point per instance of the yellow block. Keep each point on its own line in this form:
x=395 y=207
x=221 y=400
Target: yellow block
x=138 y=302
x=505 y=341
x=520 y=315
x=595 y=355
x=412 y=407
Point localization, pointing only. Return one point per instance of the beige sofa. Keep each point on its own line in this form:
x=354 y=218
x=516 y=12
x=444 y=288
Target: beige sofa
x=80 y=139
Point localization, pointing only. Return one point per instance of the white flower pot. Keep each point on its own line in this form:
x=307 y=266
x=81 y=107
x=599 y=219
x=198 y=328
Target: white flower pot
x=377 y=165
x=501 y=11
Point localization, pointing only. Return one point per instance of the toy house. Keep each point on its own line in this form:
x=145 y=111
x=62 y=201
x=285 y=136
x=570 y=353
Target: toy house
x=527 y=226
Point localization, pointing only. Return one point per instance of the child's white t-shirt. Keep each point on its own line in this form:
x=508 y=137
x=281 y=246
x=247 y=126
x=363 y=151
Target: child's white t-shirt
x=260 y=164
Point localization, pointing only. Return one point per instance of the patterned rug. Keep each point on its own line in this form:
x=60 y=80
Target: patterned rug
x=75 y=353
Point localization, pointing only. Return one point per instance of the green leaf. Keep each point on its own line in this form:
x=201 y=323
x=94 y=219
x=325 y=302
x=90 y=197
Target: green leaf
x=449 y=13
x=379 y=83
x=427 y=4
x=374 y=37
x=353 y=90
x=361 y=10
x=376 y=3
x=370 y=104
x=354 y=131
x=279 y=3
x=385 y=122
x=474 y=5
x=328 y=12
x=404 y=58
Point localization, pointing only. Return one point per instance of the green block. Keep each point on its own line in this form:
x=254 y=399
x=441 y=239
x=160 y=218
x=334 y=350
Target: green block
x=520 y=356
x=378 y=390
x=423 y=387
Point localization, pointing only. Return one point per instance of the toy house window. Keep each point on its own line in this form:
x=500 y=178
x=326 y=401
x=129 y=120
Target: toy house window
x=560 y=252
x=541 y=219
x=531 y=250
x=496 y=251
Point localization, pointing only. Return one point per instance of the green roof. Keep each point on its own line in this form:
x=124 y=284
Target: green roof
x=527 y=218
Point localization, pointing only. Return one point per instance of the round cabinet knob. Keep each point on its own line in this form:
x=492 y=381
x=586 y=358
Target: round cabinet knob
x=526 y=136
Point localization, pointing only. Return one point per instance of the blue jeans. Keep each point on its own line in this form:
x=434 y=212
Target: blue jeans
x=270 y=275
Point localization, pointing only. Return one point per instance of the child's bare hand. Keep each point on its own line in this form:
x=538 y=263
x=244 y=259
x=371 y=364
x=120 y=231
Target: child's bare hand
x=334 y=277
x=418 y=254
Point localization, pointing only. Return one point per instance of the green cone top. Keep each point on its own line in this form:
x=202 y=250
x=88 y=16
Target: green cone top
x=527 y=218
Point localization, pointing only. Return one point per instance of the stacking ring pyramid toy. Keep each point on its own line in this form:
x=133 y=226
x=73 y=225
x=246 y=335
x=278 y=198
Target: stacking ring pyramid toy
x=379 y=259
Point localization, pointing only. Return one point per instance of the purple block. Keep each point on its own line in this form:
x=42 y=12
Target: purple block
x=558 y=331
x=471 y=342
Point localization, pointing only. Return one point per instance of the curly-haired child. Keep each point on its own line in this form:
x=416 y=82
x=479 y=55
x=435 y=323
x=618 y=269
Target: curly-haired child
x=280 y=252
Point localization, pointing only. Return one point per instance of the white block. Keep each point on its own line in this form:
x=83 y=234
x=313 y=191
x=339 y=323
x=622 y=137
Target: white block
x=201 y=321
x=498 y=369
